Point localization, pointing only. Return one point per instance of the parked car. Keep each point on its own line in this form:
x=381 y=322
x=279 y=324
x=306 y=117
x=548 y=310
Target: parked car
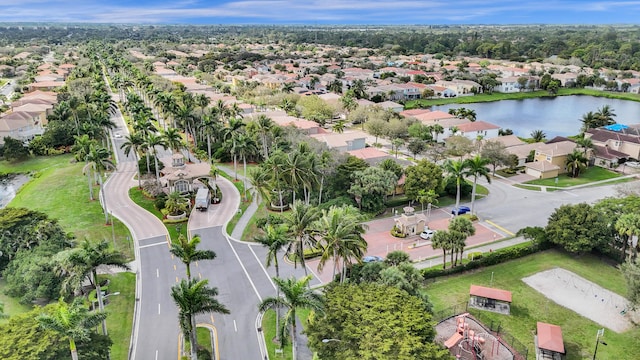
x=633 y=164
x=460 y=210
x=427 y=234
x=372 y=258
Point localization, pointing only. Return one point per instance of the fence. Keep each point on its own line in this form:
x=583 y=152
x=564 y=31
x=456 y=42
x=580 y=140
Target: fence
x=519 y=350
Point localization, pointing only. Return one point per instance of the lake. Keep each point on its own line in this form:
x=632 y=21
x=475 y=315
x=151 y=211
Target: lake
x=9 y=187
x=556 y=116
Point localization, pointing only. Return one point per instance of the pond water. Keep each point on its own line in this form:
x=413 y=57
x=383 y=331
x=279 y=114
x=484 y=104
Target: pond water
x=9 y=187
x=556 y=116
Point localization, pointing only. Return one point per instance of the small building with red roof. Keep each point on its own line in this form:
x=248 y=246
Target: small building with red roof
x=548 y=342
x=491 y=299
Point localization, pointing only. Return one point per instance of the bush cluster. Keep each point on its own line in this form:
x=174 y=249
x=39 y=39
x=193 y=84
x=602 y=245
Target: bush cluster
x=397 y=233
x=486 y=259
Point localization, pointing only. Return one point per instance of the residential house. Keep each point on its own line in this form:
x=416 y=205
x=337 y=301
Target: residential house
x=549 y=159
x=461 y=87
x=20 y=125
x=478 y=130
x=343 y=142
x=508 y=85
x=566 y=78
x=625 y=143
x=393 y=106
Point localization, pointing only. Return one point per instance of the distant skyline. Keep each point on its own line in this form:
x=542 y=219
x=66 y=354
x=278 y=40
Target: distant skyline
x=298 y=12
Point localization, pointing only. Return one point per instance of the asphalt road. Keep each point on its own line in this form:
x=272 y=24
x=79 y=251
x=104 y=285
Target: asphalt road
x=513 y=208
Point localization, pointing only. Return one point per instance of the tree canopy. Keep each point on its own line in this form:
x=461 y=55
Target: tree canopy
x=577 y=228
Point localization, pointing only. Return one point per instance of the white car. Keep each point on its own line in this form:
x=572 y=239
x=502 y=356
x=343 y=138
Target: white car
x=633 y=164
x=427 y=234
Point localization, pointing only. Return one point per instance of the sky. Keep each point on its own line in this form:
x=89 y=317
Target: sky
x=380 y=12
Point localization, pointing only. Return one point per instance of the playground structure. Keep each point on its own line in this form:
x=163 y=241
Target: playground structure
x=470 y=341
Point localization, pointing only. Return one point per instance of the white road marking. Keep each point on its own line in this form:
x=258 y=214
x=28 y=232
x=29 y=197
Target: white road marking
x=156 y=354
x=263 y=268
x=154 y=244
x=235 y=326
x=244 y=269
x=158 y=309
x=157 y=272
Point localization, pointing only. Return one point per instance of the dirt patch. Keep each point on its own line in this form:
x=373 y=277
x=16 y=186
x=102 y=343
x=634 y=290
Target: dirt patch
x=585 y=297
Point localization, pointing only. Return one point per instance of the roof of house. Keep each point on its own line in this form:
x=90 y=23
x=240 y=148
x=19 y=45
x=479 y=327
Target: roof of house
x=490 y=293
x=558 y=148
x=368 y=153
x=20 y=115
x=334 y=140
x=508 y=140
x=601 y=135
x=604 y=152
x=47 y=84
x=390 y=105
x=559 y=139
x=542 y=166
x=550 y=337
x=477 y=126
x=522 y=150
x=433 y=115
x=414 y=112
x=7 y=125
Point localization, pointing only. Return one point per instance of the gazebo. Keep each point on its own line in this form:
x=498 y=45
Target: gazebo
x=410 y=223
x=548 y=342
x=485 y=298
x=179 y=176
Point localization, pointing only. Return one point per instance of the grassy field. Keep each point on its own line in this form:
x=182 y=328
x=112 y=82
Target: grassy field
x=61 y=191
x=11 y=305
x=120 y=310
x=591 y=174
x=243 y=204
x=423 y=103
x=204 y=338
x=529 y=306
x=269 y=330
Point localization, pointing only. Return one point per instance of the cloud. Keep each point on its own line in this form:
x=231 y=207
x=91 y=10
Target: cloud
x=326 y=11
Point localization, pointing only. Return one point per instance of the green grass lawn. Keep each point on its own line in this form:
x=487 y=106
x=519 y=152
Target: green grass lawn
x=35 y=164
x=120 y=310
x=591 y=174
x=269 y=331
x=11 y=305
x=61 y=191
x=243 y=204
x=529 y=306
x=204 y=338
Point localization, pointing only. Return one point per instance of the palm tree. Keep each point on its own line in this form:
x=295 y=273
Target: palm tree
x=73 y=322
x=244 y=146
x=287 y=88
x=605 y=115
x=441 y=240
x=456 y=170
x=628 y=225
x=300 y=222
x=173 y=139
x=297 y=295
x=585 y=143
x=589 y=121
x=186 y=250
x=460 y=229
x=341 y=230
x=324 y=162
x=274 y=239
x=264 y=125
x=194 y=297
x=538 y=135
x=134 y=142
x=98 y=161
x=82 y=263
x=335 y=86
x=575 y=163
x=339 y=126
x=477 y=167
x=260 y=180
x=150 y=144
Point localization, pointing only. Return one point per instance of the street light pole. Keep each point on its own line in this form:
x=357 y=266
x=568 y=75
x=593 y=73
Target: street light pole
x=598 y=341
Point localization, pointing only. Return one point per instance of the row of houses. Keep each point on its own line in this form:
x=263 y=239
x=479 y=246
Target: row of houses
x=27 y=117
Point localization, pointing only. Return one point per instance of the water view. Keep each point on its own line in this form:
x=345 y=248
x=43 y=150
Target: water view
x=9 y=187
x=559 y=116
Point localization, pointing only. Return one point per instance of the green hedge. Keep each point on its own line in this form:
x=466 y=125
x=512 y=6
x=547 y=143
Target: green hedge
x=487 y=259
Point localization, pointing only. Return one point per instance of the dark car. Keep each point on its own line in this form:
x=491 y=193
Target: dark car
x=372 y=258
x=460 y=210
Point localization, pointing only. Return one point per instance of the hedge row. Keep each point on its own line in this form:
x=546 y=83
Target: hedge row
x=487 y=259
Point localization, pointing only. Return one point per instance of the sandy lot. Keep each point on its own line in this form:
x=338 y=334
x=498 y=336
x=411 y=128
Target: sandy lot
x=584 y=297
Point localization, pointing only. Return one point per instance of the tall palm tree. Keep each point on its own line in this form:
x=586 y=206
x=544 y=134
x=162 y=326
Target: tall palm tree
x=460 y=228
x=628 y=225
x=300 y=222
x=477 y=167
x=82 y=263
x=173 y=139
x=186 y=250
x=260 y=180
x=442 y=240
x=72 y=321
x=134 y=142
x=275 y=238
x=98 y=161
x=151 y=142
x=340 y=230
x=339 y=126
x=264 y=125
x=575 y=163
x=297 y=295
x=244 y=147
x=456 y=170
x=589 y=121
x=194 y=297
x=586 y=144
x=606 y=115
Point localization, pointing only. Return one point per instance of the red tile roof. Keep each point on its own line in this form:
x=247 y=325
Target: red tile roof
x=477 y=126
x=490 y=293
x=368 y=153
x=550 y=337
